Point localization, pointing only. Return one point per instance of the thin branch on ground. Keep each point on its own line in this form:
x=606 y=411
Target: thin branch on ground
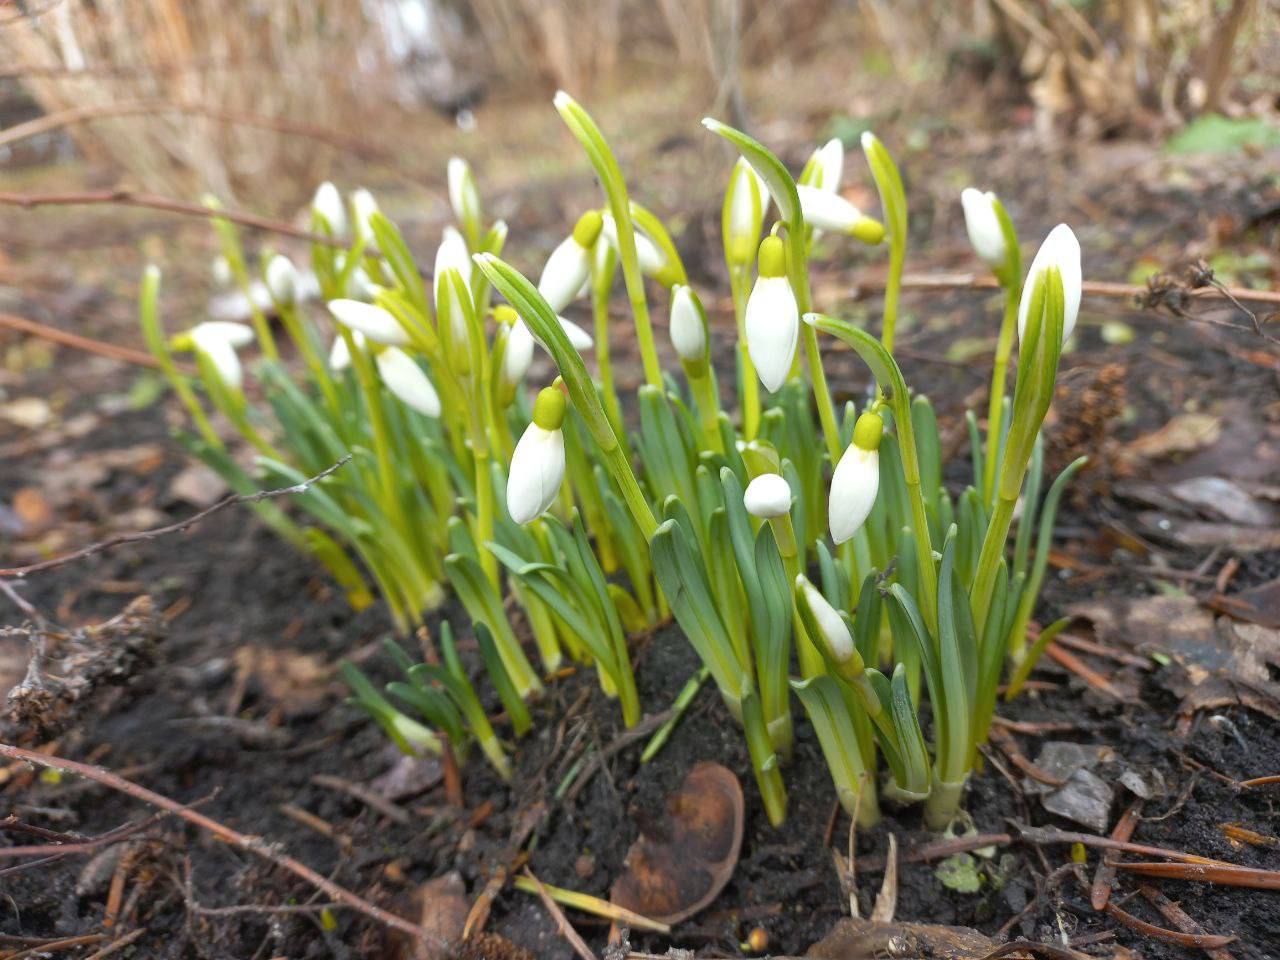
x=254 y=845
x=151 y=201
x=65 y=338
x=562 y=922
x=181 y=525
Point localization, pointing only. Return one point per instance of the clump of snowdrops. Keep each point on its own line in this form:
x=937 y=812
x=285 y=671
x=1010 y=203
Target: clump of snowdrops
x=800 y=548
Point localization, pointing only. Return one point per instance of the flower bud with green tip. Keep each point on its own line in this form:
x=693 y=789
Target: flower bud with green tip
x=689 y=329
x=746 y=203
x=856 y=479
x=464 y=196
x=983 y=226
x=518 y=353
x=569 y=265
x=825 y=167
x=328 y=204
x=829 y=630
x=772 y=318
x=830 y=211
x=282 y=280
x=453 y=298
x=537 y=466
x=1060 y=249
x=218 y=340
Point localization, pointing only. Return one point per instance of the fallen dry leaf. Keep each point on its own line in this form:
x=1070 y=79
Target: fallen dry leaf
x=1260 y=604
x=854 y=939
x=30 y=413
x=33 y=511
x=198 y=485
x=440 y=907
x=671 y=877
x=1185 y=433
x=296 y=682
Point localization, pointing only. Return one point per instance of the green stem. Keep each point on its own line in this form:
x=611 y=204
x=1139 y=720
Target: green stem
x=798 y=274
x=989 y=559
x=892 y=289
x=484 y=516
x=944 y=803
x=678 y=707
x=600 y=314
x=707 y=398
x=739 y=286
x=995 y=403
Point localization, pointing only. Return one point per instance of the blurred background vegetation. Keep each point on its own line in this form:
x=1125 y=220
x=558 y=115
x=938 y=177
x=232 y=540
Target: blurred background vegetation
x=256 y=100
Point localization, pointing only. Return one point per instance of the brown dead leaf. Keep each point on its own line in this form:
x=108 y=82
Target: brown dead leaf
x=671 y=877
x=198 y=485
x=1260 y=604
x=1185 y=433
x=296 y=682
x=33 y=510
x=854 y=939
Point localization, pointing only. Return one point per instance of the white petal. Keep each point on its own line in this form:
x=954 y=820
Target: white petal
x=282 y=279
x=462 y=189
x=407 y=381
x=452 y=255
x=328 y=203
x=339 y=355
x=830 y=157
x=983 y=225
x=223 y=357
x=537 y=470
x=579 y=338
x=748 y=193
x=688 y=327
x=1060 y=249
x=853 y=491
x=364 y=206
x=768 y=496
x=374 y=322
x=834 y=629
x=773 y=329
x=651 y=259
x=566 y=271
x=231 y=333
x=518 y=354
x=826 y=210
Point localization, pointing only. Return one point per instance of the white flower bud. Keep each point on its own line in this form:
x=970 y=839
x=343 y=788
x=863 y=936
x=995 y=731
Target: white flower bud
x=829 y=165
x=464 y=197
x=328 y=203
x=374 y=322
x=218 y=340
x=408 y=381
x=768 y=496
x=772 y=318
x=650 y=257
x=688 y=325
x=452 y=255
x=363 y=206
x=856 y=480
x=835 y=632
x=825 y=210
x=282 y=279
x=566 y=271
x=518 y=354
x=339 y=355
x=983 y=226
x=537 y=465
x=1060 y=249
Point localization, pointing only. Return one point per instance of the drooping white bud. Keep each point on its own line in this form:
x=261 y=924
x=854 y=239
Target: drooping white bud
x=569 y=266
x=983 y=226
x=408 y=381
x=328 y=203
x=363 y=206
x=772 y=318
x=282 y=279
x=856 y=480
x=518 y=354
x=340 y=355
x=826 y=210
x=464 y=197
x=651 y=258
x=217 y=340
x=688 y=325
x=1060 y=249
x=768 y=496
x=374 y=322
x=538 y=462
x=835 y=632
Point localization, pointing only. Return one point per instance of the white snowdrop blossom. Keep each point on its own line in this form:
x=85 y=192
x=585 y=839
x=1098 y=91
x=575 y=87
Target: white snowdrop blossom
x=983 y=225
x=768 y=496
x=835 y=632
x=282 y=279
x=328 y=203
x=374 y=322
x=218 y=340
x=652 y=260
x=772 y=318
x=826 y=210
x=1060 y=249
x=569 y=267
x=537 y=465
x=404 y=378
x=856 y=479
x=688 y=325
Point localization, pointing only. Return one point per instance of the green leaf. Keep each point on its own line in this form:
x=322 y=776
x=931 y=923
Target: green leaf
x=776 y=177
x=827 y=711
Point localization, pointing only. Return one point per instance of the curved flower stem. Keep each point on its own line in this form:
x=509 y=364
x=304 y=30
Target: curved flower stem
x=995 y=404
x=601 y=281
x=798 y=275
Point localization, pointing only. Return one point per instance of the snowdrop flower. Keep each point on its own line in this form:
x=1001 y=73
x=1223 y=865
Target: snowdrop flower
x=340 y=355
x=833 y=632
x=688 y=326
x=282 y=279
x=856 y=479
x=452 y=255
x=569 y=266
x=363 y=206
x=517 y=355
x=827 y=210
x=983 y=225
x=464 y=197
x=746 y=204
x=377 y=324
x=218 y=340
x=768 y=496
x=652 y=259
x=328 y=203
x=1060 y=249
x=404 y=378
x=537 y=465
x=826 y=166
x=772 y=318
x=452 y=258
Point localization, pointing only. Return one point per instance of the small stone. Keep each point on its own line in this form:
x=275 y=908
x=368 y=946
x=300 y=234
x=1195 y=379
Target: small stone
x=1084 y=798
